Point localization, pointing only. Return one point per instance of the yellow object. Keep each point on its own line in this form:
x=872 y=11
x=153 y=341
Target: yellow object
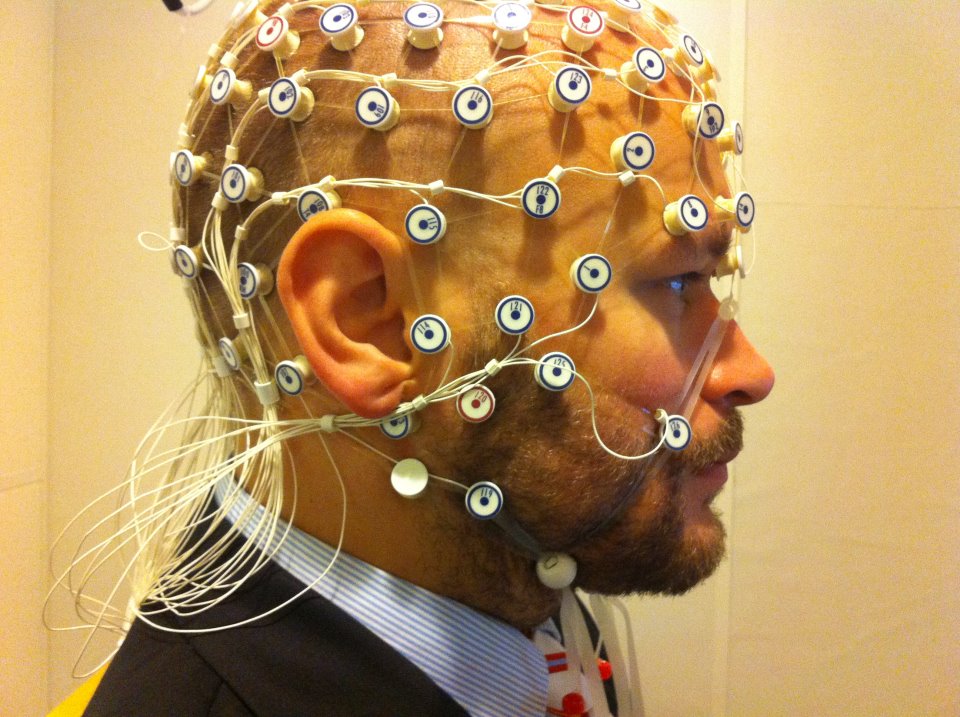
x=78 y=700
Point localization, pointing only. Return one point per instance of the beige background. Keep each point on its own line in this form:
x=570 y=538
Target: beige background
x=841 y=593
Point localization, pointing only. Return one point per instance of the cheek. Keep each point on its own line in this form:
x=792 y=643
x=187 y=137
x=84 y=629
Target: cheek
x=636 y=366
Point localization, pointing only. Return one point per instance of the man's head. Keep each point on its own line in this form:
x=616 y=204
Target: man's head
x=545 y=182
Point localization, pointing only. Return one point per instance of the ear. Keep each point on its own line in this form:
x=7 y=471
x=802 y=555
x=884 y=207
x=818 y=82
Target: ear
x=340 y=283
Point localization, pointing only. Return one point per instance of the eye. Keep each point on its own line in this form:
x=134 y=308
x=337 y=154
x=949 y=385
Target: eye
x=682 y=284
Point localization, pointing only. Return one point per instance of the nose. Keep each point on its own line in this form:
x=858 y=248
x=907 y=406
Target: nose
x=739 y=375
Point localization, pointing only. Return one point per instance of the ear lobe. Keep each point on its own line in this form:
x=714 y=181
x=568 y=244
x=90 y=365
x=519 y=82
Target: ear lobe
x=335 y=283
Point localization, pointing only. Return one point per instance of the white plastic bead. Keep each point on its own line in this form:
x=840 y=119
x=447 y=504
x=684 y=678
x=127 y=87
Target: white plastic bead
x=267 y=392
x=409 y=477
x=556 y=570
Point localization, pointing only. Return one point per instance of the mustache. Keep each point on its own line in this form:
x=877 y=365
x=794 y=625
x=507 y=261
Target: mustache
x=719 y=447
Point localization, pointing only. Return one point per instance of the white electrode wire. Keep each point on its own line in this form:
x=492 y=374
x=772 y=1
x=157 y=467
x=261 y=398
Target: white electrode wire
x=171 y=409
x=577 y=327
x=162 y=243
x=390 y=459
x=579 y=649
x=626 y=678
x=593 y=415
x=293 y=598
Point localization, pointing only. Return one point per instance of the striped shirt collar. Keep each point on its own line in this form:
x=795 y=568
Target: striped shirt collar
x=486 y=665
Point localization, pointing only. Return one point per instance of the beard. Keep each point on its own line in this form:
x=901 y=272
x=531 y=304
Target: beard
x=627 y=523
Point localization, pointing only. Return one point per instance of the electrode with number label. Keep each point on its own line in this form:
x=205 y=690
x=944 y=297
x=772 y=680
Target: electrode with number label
x=687 y=214
x=555 y=371
x=339 y=22
x=740 y=208
x=569 y=89
x=633 y=152
x=293 y=376
x=514 y=315
x=376 y=109
x=731 y=139
x=274 y=35
x=540 y=198
x=584 y=26
x=473 y=106
x=707 y=119
x=475 y=403
x=424 y=20
x=645 y=68
x=484 y=500
x=430 y=334
x=510 y=21
x=254 y=280
x=425 y=224
x=591 y=273
x=287 y=99
x=400 y=427
x=314 y=201
x=226 y=88
x=241 y=184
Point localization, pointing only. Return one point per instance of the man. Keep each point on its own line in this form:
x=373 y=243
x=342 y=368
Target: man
x=519 y=272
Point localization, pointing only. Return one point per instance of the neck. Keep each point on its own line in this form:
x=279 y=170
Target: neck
x=429 y=541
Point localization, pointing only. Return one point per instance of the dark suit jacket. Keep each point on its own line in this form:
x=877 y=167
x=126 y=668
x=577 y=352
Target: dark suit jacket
x=310 y=659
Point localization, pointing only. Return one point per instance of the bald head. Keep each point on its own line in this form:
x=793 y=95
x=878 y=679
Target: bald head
x=525 y=138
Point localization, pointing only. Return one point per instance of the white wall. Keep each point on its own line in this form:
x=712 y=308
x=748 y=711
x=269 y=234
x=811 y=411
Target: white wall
x=840 y=597
x=26 y=66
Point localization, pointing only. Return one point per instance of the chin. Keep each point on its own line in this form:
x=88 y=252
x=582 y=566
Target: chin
x=669 y=558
